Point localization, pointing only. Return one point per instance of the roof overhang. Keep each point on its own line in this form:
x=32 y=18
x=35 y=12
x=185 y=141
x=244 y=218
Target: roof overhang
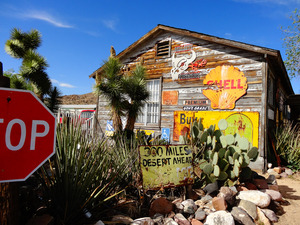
x=273 y=55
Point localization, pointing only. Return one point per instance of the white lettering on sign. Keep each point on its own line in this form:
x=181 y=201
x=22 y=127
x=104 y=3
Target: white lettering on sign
x=8 y=132
x=34 y=133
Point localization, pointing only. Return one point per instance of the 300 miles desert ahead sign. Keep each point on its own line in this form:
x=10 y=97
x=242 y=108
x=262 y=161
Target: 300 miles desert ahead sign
x=166 y=165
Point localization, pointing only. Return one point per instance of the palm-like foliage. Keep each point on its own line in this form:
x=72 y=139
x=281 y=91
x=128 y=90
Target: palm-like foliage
x=21 y=42
x=83 y=176
x=126 y=95
x=22 y=45
x=53 y=100
x=17 y=81
x=111 y=88
x=135 y=87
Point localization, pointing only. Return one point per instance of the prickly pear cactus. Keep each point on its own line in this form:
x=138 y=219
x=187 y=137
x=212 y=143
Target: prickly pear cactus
x=220 y=157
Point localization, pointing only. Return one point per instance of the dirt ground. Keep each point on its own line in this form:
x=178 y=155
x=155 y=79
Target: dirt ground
x=290 y=189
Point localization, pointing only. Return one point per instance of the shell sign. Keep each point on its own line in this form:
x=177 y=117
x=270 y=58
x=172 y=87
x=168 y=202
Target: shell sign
x=226 y=85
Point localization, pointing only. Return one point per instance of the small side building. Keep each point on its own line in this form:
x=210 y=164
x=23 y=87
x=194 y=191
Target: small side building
x=191 y=75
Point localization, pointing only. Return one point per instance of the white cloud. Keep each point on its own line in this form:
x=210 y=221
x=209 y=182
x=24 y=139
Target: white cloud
x=44 y=16
x=23 y=13
x=62 y=84
x=111 y=24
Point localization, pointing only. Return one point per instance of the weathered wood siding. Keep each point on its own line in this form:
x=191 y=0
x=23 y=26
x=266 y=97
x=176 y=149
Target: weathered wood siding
x=249 y=63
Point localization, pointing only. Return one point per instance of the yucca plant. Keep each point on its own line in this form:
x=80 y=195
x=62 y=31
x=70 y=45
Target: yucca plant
x=288 y=144
x=82 y=178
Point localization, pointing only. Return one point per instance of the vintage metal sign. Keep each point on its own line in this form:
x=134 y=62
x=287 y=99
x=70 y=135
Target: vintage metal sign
x=109 y=130
x=226 y=85
x=165 y=134
x=170 y=97
x=166 y=165
x=195 y=102
x=195 y=108
x=184 y=58
x=244 y=123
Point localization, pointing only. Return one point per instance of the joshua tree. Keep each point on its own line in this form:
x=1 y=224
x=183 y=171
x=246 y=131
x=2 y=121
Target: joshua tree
x=125 y=94
x=111 y=88
x=22 y=45
x=135 y=87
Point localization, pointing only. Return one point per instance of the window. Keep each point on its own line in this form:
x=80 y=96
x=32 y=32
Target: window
x=151 y=110
x=163 y=48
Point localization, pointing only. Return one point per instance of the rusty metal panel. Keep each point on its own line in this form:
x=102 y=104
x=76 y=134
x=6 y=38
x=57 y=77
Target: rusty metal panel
x=166 y=165
x=170 y=97
x=244 y=123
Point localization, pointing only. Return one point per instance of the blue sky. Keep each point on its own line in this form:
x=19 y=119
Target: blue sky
x=77 y=35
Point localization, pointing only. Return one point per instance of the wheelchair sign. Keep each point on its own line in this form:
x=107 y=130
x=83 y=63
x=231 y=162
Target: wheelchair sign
x=165 y=134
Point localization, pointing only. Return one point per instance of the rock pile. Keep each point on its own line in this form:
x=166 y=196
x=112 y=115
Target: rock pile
x=252 y=202
x=279 y=172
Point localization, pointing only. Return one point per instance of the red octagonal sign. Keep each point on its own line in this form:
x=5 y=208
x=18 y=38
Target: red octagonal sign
x=27 y=134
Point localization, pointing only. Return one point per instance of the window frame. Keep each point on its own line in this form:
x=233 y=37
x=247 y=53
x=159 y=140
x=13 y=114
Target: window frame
x=145 y=122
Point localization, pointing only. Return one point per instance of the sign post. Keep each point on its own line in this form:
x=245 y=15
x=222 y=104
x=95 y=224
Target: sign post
x=27 y=134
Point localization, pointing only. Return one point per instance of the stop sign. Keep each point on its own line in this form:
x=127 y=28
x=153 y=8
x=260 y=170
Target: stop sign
x=27 y=134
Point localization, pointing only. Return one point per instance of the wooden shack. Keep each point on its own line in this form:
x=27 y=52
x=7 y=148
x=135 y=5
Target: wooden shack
x=191 y=75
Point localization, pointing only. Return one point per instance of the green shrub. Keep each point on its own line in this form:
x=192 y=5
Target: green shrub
x=83 y=177
x=288 y=144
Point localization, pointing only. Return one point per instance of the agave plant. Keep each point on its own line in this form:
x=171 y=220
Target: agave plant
x=82 y=177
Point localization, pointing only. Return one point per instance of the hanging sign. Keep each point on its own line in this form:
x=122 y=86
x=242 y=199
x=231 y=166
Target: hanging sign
x=226 y=85
x=166 y=165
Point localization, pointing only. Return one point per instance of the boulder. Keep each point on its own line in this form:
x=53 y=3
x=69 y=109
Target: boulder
x=219 y=203
x=288 y=171
x=169 y=221
x=278 y=170
x=189 y=206
x=250 y=186
x=228 y=194
x=211 y=188
x=200 y=214
x=270 y=214
x=161 y=205
x=275 y=195
x=196 y=222
x=121 y=219
x=248 y=207
x=219 y=217
x=261 y=183
x=241 y=216
x=271 y=179
x=180 y=219
x=257 y=197
x=143 y=221
x=205 y=199
x=262 y=218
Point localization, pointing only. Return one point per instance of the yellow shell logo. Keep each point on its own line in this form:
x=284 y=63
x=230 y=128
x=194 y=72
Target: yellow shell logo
x=226 y=85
